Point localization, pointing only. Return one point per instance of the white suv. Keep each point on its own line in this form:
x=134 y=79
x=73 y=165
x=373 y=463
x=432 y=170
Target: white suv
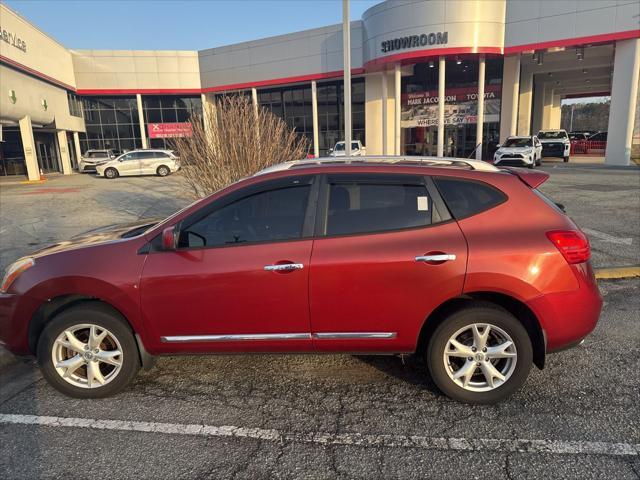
x=519 y=152
x=555 y=143
x=357 y=149
x=140 y=162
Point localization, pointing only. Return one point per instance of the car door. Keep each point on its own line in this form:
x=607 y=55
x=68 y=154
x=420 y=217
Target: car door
x=386 y=254
x=129 y=164
x=239 y=278
x=148 y=161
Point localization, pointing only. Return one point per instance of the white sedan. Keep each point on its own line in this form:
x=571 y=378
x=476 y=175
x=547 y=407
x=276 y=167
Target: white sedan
x=140 y=162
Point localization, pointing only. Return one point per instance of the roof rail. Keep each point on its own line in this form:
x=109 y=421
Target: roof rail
x=389 y=160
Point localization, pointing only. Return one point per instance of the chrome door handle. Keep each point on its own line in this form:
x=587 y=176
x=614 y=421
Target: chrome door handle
x=283 y=267
x=440 y=257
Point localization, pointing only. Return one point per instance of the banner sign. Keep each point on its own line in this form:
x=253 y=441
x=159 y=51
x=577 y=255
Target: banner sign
x=420 y=109
x=170 y=130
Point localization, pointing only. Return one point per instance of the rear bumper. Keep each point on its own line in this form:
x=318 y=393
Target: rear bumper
x=568 y=317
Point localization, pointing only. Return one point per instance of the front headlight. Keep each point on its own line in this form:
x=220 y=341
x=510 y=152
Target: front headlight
x=14 y=271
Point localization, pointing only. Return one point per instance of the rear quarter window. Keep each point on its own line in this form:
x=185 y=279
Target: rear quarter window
x=465 y=198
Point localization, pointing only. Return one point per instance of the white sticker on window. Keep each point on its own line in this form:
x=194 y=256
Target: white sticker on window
x=423 y=204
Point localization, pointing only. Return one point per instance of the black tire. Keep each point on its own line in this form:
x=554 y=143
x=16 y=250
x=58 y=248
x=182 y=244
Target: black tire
x=163 y=171
x=479 y=312
x=566 y=159
x=102 y=316
x=111 y=173
x=538 y=162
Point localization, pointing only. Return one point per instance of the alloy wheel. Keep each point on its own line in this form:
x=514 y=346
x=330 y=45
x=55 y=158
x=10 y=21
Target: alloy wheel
x=480 y=357
x=87 y=356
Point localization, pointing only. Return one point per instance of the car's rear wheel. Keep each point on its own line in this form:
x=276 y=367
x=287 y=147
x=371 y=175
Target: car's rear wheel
x=111 y=173
x=163 y=171
x=479 y=354
x=88 y=351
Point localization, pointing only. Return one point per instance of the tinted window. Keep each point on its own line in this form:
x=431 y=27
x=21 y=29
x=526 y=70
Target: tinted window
x=360 y=207
x=266 y=216
x=465 y=197
x=518 y=142
x=130 y=156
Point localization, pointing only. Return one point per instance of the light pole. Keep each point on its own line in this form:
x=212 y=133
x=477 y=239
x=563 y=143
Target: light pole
x=346 y=51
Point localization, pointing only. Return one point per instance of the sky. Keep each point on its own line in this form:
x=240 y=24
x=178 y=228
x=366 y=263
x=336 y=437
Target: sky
x=177 y=25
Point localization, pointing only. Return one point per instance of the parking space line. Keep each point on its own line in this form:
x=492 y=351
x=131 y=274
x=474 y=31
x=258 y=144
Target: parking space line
x=561 y=447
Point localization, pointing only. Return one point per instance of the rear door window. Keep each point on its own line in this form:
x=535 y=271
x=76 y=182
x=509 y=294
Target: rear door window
x=465 y=198
x=368 y=205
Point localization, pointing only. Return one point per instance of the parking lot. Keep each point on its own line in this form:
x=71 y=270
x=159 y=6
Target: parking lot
x=312 y=416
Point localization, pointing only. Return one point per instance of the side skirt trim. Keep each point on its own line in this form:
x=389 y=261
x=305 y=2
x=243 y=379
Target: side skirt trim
x=280 y=336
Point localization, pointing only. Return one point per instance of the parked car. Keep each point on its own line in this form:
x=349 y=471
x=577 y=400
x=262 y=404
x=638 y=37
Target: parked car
x=140 y=162
x=598 y=137
x=574 y=136
x=555 y=143
x=357 y=149
x=519 y=152
x=469 y=266
x=91 y=158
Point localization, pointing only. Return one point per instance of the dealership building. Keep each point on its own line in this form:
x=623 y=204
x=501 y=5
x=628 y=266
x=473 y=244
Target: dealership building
x=429 y=77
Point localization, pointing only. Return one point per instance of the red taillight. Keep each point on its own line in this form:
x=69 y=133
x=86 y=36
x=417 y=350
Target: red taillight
x=573 y=244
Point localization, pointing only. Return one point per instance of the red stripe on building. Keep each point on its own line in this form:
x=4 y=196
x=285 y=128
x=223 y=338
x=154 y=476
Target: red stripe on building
x=571 y=42
x=35 y=73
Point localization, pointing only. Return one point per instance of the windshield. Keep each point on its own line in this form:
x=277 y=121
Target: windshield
x=552 y=135
x=340 y=146
x=96 y=155
x=518 y=142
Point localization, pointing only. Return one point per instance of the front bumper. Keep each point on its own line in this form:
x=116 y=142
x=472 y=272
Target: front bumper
x=555 y=150
x=15 y=310
x=513 y=160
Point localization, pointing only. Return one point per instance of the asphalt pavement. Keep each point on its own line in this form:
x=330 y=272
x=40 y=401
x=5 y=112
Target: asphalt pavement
x=329 y=416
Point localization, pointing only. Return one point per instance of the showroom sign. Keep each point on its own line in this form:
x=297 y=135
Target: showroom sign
x=170 y=130
x=412 y=41
x=13 y=40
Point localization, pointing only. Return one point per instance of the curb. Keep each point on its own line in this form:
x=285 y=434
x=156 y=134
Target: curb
x=618 y=272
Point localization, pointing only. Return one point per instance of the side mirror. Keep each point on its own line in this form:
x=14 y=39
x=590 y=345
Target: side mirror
x=331 y=150
x=498 y=146
x=169 y=241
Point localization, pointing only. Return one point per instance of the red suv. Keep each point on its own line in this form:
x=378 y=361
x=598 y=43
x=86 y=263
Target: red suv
x=467 y=265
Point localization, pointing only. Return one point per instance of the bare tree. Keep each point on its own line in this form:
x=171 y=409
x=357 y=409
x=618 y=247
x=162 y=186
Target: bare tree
x=233 y=140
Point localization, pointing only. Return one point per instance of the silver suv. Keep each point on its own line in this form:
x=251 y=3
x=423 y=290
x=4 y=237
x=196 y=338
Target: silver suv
x=140 y=162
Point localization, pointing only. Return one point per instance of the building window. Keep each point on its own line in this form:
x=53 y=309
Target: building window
x=419 y=120
x=75 y=104
x=111 y=123
x=168 y=109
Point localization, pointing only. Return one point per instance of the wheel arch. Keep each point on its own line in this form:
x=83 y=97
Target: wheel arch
x=56 y=305
x=514 y=306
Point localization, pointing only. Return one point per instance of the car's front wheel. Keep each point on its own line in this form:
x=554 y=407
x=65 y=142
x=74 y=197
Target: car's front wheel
x=479 y=354
x=88 y=351
x=566 y=159
x=111 y=173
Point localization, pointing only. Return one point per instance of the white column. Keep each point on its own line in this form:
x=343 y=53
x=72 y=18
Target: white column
x=398 y=105
x=64 y=153
x=556 y=112
x=538 y=107
x=510 y=89
x=29 y=147
x=624 y=98
x=76 y=144
x=441 y=87
x=143 y=134
x=385 y=113
x=480 y=119
x=346 y=59
x=314 y=109
x=547 y=107
x=524 y=103
x=254 y=100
